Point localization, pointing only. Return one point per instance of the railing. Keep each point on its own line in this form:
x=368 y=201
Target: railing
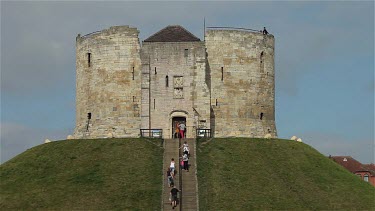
x=180 y=173
x=224 y=27
x=86 y=35
x=152 y=133
x=203 y=133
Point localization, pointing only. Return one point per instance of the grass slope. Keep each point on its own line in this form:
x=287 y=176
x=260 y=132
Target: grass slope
x=84 y=175
x=247 y=174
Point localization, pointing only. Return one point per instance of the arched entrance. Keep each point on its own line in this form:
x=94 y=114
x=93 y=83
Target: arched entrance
x=175 y=121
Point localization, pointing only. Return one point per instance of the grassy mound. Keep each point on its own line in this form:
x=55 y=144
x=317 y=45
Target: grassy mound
x=247 y=174
x=84 y=175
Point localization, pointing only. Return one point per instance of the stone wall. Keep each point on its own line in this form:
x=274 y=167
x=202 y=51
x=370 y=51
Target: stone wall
x=108 y=83
x=241 y=64
x=178 y=86
x=225 y=84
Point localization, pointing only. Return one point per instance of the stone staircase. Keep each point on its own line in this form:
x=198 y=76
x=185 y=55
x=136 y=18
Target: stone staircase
x=170 y=151
x=189 y=180
x=189 y=195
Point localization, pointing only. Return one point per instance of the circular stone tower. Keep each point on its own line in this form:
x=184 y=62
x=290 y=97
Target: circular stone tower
x=108 y=94
x=241 y=65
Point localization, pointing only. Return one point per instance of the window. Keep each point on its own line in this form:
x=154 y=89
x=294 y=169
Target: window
x=88 y=115
x=155 y=71
x=365 y=177
x=222 y=73
x=89 y=59
x=186 y=53
x=133 y=98
x=154 y=104
x=133 y=74
x=166 y=81
x=261 y=116
x=261 y=62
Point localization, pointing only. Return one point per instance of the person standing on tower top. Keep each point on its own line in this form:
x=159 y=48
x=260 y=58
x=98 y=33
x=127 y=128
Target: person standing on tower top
x=182 y=129
x=265 y=32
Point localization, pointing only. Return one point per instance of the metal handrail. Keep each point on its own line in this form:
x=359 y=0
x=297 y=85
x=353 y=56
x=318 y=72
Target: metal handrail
x=86 y=35
x=203 y=133
x=151 y=133
x=180 y=172
x=225 y=27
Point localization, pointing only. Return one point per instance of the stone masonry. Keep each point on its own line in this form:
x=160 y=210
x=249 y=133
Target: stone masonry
x=225 y=83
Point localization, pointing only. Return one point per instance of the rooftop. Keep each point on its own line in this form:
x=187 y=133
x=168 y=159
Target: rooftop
x=175 y=33
x=353 y=165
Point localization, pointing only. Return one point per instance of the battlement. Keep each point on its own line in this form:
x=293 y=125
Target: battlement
x=126 y=29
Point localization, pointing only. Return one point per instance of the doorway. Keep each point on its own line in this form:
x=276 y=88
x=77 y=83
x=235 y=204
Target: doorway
x=175 y=121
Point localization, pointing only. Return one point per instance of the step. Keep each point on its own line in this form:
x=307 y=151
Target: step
x=189 y=183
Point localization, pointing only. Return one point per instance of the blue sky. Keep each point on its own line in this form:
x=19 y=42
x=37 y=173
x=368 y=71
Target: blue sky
x=324 y=63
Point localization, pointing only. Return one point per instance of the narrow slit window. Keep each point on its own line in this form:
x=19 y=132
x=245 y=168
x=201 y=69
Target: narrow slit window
x=261 y=62
x=133 y=74
x=261 y=116
x=166 y=81
x=186 y=53
x=222 y=73
x=155 y=71
x=88 y=115
x=216 y=102
x=154 y=104
x=89 y=59
x=133 y=98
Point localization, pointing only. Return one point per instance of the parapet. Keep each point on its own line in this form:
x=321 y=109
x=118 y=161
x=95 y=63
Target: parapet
x=126 y=29
x=234 y=29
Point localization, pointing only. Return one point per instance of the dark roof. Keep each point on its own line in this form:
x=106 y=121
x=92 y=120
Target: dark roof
x=352 y=164
x=172 y=34
x=370 y=167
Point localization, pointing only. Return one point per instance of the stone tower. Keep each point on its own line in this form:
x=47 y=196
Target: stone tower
x=225 y=83
x=108 y=93
x=175 y=60
x=241 y=64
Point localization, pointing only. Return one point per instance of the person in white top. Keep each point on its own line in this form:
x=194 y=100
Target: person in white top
x=185 y=158
x=182 y=129
x=172 y=167
x=185 y=148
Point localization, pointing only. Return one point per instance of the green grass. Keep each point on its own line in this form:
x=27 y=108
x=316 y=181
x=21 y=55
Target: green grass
x=260 y=174
x=115 y=174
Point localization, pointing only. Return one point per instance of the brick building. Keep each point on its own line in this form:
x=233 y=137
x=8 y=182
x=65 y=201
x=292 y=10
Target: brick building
x=364 y=171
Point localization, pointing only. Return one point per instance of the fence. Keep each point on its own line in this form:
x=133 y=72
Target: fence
x=152 y=133
x=229 y=28
x=203 y=133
